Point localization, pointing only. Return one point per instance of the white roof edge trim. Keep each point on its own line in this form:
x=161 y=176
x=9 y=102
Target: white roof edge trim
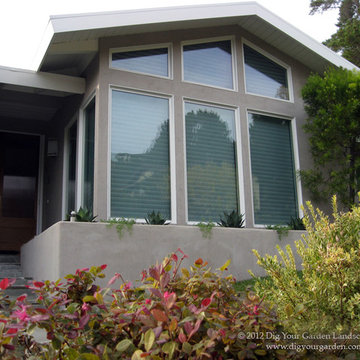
x=304 y=39
x=41 y=80
x=43 y=47
x=174 y=9
x=93 y=21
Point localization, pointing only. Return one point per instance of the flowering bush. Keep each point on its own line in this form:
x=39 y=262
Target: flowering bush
x=174 y=314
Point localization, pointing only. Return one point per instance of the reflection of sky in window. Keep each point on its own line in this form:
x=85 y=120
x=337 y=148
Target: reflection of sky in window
x=136 y=121
x=264 y=76
x=225 y=115
x=153 y=61
x=259 y=83
x=209 y=64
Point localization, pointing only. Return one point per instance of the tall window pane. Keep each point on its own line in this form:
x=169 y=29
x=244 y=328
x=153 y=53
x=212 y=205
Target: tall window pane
x=88 y=188
x=273 y=170
x=264 y=76
x=150 y=61
x=140 y=170
x=71 y=175
x=209 y=64
x=211 y=164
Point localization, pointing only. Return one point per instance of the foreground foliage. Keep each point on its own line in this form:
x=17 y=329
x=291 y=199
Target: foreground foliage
x=325 y=297
x=173 y=314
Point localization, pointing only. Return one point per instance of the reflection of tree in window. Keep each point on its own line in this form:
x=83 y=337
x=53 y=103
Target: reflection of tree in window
x=211 y=170
x=143 y=179
x=273 y=170
x=264 y=76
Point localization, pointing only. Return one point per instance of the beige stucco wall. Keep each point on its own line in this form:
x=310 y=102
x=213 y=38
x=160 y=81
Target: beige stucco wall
x=179 y=90
x=67 y=246
x=40 y=256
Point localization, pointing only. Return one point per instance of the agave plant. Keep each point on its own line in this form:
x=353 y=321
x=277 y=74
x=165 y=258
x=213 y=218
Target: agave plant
x=233 y=219
x=155 y=218
x=85 y=215
x=296 y=223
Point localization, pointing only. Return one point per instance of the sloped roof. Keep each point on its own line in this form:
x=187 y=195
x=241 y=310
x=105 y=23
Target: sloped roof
x=71 y=41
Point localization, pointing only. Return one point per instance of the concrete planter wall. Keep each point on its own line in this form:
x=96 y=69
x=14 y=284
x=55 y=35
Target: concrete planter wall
x=65 y=247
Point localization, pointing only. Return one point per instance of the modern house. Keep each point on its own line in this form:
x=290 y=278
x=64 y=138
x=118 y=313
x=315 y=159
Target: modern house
x=189 y=111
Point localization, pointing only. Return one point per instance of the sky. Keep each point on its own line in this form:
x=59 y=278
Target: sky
x=23 y=22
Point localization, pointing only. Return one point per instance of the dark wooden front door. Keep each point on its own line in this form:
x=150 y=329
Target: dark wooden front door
x=19 y=167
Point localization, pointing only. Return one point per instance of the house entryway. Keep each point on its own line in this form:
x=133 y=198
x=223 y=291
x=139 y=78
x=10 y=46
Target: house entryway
x=19 y=169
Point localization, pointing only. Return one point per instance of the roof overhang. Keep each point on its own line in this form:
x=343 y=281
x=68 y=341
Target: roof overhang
x=31 y=81
x=35 y=96
x=73 y=39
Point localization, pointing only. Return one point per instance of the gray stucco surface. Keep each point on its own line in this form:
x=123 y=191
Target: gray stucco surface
x=66 y=246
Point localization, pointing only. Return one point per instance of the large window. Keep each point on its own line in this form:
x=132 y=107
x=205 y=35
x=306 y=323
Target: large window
x=89 y=142
x=273 y=170
x=264 y=76
x=154 y=61
x=211 y=161
x=71 y=168
x=140 y=166
x=209 y=63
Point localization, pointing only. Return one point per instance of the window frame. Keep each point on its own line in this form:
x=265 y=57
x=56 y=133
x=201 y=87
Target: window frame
x=169 y=46
x=172 y=160
x=65 y=187
x=81 y=150
x=275 y=60
x=232 y=40
x=238 y=155
x=296 y=159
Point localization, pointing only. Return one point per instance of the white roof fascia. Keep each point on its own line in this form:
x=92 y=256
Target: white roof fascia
x=93 y=21
x=304 y=39
x=43 y=46
x=118 y=19
x=41 y=80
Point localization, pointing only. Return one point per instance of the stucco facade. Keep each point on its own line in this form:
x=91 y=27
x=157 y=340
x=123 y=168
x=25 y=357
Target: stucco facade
x=67 y=246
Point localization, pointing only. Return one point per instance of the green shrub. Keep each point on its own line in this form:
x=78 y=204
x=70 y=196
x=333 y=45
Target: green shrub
x=283 y=230
x=173 y=314
x=325 y=298
x=121 y=224
x=206 y=228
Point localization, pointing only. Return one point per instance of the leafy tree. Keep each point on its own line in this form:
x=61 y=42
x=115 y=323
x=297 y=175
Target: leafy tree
x=347 y=38
x=332 y=102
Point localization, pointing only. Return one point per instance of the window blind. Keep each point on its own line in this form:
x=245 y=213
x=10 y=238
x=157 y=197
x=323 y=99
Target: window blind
x=140 y=168
x=211 y=164
x=209 y=63
x=71 y=173
x=150 y=61
x=264 y=76
x=273 y=170
x=88 y=186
